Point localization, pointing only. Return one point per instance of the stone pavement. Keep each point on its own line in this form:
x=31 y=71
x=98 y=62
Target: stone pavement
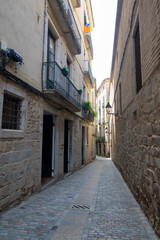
x=94 y=203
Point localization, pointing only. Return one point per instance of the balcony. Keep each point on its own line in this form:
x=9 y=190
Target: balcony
x=65 y=17
x=76 y=3
x=88 y=74
x=88 y=42
x=59 y=88
x=88 y=116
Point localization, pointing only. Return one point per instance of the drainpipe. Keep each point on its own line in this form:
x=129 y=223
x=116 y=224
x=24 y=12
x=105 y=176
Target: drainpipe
x=44 y=36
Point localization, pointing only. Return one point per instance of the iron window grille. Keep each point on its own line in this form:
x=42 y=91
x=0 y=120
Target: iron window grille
x=11 y=117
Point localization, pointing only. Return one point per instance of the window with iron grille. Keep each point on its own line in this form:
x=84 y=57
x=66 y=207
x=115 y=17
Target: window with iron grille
x=138 y=60
x=11 y=117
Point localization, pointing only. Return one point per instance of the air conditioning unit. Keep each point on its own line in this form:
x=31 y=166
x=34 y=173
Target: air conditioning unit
x=15 y=56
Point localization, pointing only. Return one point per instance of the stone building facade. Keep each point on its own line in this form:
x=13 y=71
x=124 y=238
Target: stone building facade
x=45 y=59
x=103 y=126
x=135 y=95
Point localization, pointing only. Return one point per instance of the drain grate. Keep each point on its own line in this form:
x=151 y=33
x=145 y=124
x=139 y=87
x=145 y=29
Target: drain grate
x=81 y=207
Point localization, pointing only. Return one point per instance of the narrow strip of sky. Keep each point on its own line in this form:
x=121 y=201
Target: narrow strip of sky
x=104 y=12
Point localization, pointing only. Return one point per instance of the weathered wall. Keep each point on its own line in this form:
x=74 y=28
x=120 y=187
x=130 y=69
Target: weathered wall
x=136 y=132
x=21 y=150
x=20 y=157
x=22 y=28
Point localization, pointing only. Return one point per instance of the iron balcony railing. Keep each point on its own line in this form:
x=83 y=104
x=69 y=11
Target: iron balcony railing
x=63 y=12
x=88 y=115
x=88 y=71
x=53 y=78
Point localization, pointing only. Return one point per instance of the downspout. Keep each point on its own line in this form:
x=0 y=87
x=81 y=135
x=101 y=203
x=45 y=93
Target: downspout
x=44 y=27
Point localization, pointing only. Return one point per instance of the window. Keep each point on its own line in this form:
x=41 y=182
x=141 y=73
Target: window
x=11 y=117
x=138 y=60
x=120 y=98
x=51 y=58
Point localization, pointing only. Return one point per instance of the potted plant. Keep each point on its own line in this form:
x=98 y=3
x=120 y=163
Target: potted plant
x=86 y=106
x=80 y=91
x=65 y=71
x=95 y=114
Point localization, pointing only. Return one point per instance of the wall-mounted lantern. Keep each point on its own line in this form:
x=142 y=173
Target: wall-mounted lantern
x=108 y=108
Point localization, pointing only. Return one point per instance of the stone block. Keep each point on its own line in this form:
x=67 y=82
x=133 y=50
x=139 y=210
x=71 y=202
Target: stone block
x=3 y=181
x=154 y=151
x=4 y=192
x=12 y=177
x=156 y=129
x=156 y=141
x=26 y=154
x=13 y=187
x=154 y=84
x=14 y=167
x=4 y=202
x=22 y=145
x=14 y=157
x=3 y=170
x=14 y=196
x=4 y=159
x=6 y=146
x=151 y=161
x=157 y=162
x=156 y=191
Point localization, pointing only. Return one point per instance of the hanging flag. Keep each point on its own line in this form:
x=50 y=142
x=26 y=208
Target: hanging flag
x=86 y=28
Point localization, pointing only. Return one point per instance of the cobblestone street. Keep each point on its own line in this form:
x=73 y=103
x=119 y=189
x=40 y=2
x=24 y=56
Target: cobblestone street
x=91 y=204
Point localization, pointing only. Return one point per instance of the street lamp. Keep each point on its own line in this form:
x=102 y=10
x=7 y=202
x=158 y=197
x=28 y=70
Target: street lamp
x=108 y=107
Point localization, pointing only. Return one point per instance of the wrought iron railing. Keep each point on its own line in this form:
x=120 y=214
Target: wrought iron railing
x=88 y=115
x=88 y=71
x=53 y=78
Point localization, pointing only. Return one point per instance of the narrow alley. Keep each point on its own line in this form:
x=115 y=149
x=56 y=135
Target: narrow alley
x=94 y=203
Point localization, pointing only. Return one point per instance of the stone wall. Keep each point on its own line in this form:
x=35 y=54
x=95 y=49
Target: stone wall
x=20 y=162
x=136 y=132
x=21 y=150
x=136 y=151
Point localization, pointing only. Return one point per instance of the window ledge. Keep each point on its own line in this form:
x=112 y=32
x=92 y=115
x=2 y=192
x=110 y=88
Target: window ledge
x=9 y=133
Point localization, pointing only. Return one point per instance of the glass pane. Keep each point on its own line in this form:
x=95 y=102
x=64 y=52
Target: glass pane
x=51 y=49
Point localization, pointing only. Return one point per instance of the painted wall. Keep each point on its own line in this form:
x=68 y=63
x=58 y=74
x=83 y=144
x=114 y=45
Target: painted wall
x=22 y=30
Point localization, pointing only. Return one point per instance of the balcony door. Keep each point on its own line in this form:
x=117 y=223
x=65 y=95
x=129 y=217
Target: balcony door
x=51 y=59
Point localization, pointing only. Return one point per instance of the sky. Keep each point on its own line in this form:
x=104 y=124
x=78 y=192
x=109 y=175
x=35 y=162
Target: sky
x=104 y=12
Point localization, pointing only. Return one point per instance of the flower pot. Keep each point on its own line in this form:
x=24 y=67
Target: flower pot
x=65 y=71
x=80 y=91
